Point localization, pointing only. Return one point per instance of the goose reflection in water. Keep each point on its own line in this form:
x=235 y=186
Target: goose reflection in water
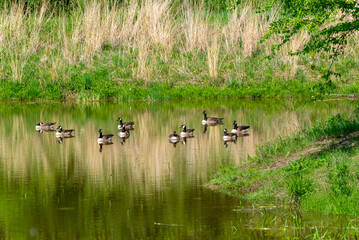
x=41 y=131
x=61 y=139
x=184 y=140
x=210 y=125
x=225 y=144
x=102 y=144
x=174 y=142
x=122 y=141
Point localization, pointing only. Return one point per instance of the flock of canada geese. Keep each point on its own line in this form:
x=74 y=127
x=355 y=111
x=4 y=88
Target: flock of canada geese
x=211 y=121
x=125 y=127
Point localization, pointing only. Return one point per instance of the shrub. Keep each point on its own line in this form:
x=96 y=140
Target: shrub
x=298 y=185
x=339 y=180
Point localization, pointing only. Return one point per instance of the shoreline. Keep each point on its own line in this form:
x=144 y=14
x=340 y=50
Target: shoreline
x=314 y=168
x=109 y=91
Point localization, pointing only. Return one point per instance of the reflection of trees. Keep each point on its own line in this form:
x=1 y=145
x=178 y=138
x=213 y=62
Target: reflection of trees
x=71 y=189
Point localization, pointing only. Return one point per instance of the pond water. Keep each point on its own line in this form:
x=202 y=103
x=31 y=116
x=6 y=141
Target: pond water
x=145 y=187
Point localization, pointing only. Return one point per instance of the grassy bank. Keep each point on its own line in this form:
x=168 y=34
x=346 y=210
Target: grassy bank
x=315 y=168
x=155 y=49
x=94 y=87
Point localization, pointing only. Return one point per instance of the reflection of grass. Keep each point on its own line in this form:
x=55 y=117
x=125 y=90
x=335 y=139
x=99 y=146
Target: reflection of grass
x=315 y=167
x=72 y=190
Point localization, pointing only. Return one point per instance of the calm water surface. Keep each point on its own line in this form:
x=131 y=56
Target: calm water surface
x=145 y=187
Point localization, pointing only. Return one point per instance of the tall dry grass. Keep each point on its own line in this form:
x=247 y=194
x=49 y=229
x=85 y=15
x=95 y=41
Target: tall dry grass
x=150 y=28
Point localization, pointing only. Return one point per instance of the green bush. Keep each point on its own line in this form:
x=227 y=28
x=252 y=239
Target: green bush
x=298 y=185
x=339 y=180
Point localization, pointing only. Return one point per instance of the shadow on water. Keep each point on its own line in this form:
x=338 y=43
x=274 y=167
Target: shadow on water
x=141 y=186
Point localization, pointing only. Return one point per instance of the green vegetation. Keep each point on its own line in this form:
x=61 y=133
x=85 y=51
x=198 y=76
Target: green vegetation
x=330 y=22
x=316 y=168
x=105 y=50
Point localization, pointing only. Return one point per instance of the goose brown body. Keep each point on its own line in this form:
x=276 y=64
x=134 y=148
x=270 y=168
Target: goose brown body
x=239 y=130
x=104 y=138
x=126 y=125
x=186 y=132
x=45 y=126
x=63 y=133
x=211 y=120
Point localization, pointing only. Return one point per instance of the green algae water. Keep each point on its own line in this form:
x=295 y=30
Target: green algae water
x=145 y=187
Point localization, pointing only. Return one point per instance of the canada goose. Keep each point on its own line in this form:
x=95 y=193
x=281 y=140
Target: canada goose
x=211 y=120
x=186 y=132
x=127 y=125
x=174 y=137
x=63 y=133
x=228 y=137
x=104 y=138
x=45 y=126
x=239 y=130
x=123 y=133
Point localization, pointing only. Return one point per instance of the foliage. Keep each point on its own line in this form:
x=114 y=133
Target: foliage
x=298 y=185
x=330 y=23
x=339 y=179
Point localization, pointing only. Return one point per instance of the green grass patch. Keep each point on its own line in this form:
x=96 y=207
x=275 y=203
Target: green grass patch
x=323 y=179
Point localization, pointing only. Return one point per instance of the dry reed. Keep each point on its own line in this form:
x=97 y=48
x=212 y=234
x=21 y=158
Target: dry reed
x=148 y=27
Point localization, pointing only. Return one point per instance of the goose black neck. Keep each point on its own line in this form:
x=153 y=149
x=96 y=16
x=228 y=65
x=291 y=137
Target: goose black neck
x=205 y=116
x=121 y=121
x=235 y=126
x=184 y=129
x=101 y=135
